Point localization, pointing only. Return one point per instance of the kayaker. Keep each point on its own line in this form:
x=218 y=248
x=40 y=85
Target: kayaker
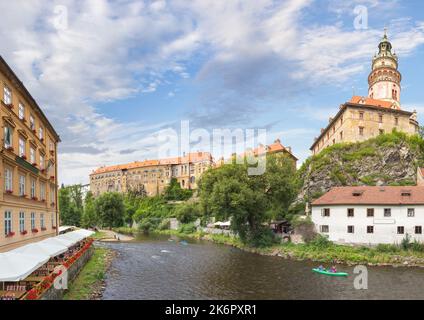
x=321 y=268
x=333 y=269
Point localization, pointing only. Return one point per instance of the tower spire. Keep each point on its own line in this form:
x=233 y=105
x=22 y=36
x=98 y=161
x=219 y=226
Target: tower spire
x=384 y=79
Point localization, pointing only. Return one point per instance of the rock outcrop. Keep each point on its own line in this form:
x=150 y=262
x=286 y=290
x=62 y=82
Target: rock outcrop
x=390 y=159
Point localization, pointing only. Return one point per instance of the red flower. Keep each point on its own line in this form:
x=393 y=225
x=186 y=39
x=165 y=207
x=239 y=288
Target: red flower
x=23 y=157
x=35 y=230
x=9 y=191
x=10 y=234
x=32 y=294
x=24 y=232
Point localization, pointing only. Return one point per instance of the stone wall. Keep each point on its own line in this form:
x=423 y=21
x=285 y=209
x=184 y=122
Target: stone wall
x=57 y=294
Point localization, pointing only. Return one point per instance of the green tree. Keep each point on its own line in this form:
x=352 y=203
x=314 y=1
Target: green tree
x=175 y=192
x=187 y=212
x=70 y=210
x=229 y=192
x=110 y=209
x=89 y=218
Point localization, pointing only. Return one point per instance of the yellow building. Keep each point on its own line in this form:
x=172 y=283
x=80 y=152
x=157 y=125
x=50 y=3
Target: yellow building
x=363 y=118
x=151 y=175
x=28 y=194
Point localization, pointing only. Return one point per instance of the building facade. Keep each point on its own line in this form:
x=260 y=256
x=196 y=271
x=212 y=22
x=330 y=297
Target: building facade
x=363 y=118
x=370 y=215
x=153 y=176
x=28 y=194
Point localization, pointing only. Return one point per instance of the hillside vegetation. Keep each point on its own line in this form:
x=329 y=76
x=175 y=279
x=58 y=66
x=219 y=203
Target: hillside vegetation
x=389 y=159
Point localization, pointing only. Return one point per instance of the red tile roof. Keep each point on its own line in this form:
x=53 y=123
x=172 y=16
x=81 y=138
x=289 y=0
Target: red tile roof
x=372 y=195
x=372 y=102
x=191 y=157
x=272 y=148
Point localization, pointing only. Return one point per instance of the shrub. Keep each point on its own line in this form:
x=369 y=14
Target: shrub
x=406 y=242
x=417 y=246
x=165 y=224
x=187 y=212
x=263 y=238
x=187 y=228
x=148 y=224
x=387 y=248
x=321 y=241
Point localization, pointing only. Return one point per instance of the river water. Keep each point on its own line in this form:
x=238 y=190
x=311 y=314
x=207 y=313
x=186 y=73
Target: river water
x=157 y=268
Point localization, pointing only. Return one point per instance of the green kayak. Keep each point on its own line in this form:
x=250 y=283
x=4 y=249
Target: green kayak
x=328 y=273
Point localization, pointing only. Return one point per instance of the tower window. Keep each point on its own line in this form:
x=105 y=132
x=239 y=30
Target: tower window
x=380 y=118
x=361 y=116
x=361 y=131
x=396 y=121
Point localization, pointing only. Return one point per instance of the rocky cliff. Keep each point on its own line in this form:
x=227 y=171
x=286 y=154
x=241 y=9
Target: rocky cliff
x=389 y=159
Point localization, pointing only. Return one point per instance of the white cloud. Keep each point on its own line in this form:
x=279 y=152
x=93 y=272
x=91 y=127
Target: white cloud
x=114 y=50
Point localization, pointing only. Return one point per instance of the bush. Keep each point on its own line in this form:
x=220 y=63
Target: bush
x=165 y=224
x=387 y=248
x=149 y=224
x=187 y=228
x=406 y=242
x=187 y=212
x=264 y=237
x=321 y=241
x=417 y=246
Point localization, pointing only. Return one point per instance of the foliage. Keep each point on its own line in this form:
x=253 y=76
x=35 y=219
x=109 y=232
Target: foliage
x=153 y=207
x=89 y=217
x=110 y=208
x=405 y=243
x=187 y=212
x=165 y=224
x=229 y=192
x=149 y=224
x=321 y=241
x=174 y=192
x=187 y=228
x=70 y=204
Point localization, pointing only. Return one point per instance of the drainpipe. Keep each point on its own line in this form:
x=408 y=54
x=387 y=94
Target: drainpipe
x=56 y=190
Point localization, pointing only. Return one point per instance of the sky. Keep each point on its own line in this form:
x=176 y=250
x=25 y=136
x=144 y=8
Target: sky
x=117 y=78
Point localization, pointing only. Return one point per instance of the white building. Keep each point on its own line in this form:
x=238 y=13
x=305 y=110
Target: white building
x=370 y=215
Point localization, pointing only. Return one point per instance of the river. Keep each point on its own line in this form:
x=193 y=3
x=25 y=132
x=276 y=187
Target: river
x=154 y=267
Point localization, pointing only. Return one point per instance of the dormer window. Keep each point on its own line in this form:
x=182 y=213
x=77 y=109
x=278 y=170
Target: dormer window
x=357 y=193
x=406 y=193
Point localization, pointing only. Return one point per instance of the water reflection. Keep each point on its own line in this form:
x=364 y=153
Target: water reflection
x=155 y=268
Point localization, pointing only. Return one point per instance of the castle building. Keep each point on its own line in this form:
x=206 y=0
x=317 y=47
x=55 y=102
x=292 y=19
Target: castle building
x=28 y=163
x=274 y=148
x=380 y=112
x=152 y=176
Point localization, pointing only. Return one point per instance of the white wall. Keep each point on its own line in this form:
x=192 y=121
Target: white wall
x=385 y=229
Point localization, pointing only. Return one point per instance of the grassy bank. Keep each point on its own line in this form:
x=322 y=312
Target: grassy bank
x=89 y=281
x=322 y=251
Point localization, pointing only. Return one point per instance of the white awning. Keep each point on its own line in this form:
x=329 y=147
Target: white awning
x=84 y=232
x=49 y=249
x=62 y=242
x=17 y=266
x=64 y=228
x=72 y=236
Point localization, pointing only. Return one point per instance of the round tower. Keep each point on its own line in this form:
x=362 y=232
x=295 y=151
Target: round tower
x=384 y=79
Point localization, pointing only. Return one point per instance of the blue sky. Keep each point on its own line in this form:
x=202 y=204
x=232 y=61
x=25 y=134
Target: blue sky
x=115 y=76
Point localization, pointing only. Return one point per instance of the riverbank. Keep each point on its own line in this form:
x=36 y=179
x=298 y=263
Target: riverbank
x=112 y=236
x=324 y=252
x=90 y=282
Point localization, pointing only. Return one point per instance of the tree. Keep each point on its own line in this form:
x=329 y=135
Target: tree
x=70 y=211
x=249 y=201
x=110 y=209
x=187 y=212
x=89 y=218
x=175 y=192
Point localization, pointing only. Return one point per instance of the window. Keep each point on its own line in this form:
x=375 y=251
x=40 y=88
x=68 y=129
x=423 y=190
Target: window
x=361 y=131
x=400 y=230
x=387 y=212
x=341 y=135
x=22 y=180
x=370 y=212
x=31 y=122
x=42 y=191
x=350 y=229
x=40 y=133
x=350 y=212
x=8 y=179
x=361 y=116
x=21 y=147
x=418 y=229
x=396 y=121
x=21 y=221
x=52 y=195
x=380 y=131
x=32 y=188
x=42 y=220
x=32 y=220
x=324 y=229
x=32 y=155
x=21 y=111
x=41 y=162
x=7 y=95
x=380 y=118
x=411 y=212
x=370 y=229
x=7 y=222
x=8 y=138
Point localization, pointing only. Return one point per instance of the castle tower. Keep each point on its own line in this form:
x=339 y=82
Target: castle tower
x=384 y=79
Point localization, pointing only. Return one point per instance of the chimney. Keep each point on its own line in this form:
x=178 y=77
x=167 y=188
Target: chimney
x=289 y=149
x=277 y=141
